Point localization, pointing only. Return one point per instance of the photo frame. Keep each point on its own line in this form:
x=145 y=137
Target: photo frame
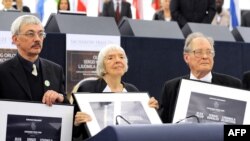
x=35 y=121
x=210 y=103
x=116 y=109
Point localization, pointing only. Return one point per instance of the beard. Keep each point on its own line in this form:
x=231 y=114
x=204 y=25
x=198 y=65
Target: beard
x=219 y=9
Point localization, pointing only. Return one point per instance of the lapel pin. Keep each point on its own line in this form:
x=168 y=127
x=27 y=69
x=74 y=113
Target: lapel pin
x=47 y=83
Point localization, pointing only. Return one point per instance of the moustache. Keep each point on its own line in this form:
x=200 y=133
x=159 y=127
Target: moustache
x=37 y=44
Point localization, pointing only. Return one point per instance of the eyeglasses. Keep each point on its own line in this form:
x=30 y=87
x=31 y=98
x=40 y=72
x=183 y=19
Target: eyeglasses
x=33 y=34
x=200 y=53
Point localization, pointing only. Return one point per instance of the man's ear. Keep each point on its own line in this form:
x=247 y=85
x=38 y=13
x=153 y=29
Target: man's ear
x=185 y=57
x=14 y=39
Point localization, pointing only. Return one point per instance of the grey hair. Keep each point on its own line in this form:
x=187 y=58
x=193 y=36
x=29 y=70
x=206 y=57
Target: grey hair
x=192 y=36
x=100 y=69
x=22 y=20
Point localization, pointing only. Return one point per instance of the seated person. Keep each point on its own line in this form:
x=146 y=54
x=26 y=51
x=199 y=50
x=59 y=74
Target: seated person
x=164 y=13
x=222 y=16
x=7 y=5
x=112 y=64
x=245 y=20
x=63 y=5
x=117 y=9
x=20 y=7
x=196 y=11
x=199 y=55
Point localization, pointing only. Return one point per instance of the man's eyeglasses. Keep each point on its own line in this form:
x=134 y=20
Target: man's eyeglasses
x=33 y=34
x=200 y=53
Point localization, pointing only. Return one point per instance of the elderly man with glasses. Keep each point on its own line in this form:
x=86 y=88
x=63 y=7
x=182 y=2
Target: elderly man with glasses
x=27 y=76
x=199 y=56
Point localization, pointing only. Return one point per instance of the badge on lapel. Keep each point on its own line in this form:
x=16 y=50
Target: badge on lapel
x=47 y=83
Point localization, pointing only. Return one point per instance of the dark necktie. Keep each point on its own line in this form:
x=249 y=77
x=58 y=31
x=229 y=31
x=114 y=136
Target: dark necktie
x=117 y=13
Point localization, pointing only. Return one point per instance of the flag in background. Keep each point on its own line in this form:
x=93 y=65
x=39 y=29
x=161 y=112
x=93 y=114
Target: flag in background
x=40 y=9
x=44 y=13
x=81 y=5
x=138 y=9
x=57 y=1
x=100 y=5
x=156 y=4
x=235 y=13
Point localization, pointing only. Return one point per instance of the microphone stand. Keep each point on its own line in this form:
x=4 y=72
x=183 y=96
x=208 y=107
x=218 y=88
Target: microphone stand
x=119 y=116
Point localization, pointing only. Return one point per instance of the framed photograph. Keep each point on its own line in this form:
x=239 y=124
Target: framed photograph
x=116 y=109
x=209 y=103
x=21 y=121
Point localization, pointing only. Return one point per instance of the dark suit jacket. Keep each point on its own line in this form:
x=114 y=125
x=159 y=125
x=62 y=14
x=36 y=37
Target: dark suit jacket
x=198 y=11
x=95 y=86
x=14 y=84
x=109 y=11
x=25 y=8
x=171 y=88
x=246 y=80
x=159 y=15
x=245 y=20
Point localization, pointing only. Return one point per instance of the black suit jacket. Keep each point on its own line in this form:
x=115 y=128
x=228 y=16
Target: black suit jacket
x=25 y=8
x=246 y=80
x=14 y=84
x=97 y=86
x=159 y=15
x=171 y=88
x=198 y=11
x=245 y=20
x=109 y=11
x=94 y=86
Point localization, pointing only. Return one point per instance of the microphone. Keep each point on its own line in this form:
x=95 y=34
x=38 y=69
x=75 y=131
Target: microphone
x=188 y=117
x=119 y=116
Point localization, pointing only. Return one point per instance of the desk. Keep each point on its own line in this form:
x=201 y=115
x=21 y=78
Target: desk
x=164 y=132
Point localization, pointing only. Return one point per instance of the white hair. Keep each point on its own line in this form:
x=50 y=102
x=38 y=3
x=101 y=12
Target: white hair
x=100 y=69
x=192 y=36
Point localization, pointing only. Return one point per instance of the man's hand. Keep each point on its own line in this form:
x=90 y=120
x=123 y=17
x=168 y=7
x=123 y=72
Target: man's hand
x=50 y=97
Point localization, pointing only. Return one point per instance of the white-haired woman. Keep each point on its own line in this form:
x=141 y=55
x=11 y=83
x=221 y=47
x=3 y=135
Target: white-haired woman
x=112 y=64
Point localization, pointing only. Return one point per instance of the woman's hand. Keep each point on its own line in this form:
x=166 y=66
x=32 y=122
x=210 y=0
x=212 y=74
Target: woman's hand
x=81 y=117
x=153 y=103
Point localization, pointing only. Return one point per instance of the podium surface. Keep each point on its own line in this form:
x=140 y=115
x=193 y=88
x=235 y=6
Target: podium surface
x=6 y=19
x=153 y=29
x=163 y=132
x=217 y=32
x=242 y=34
x=80 y=24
